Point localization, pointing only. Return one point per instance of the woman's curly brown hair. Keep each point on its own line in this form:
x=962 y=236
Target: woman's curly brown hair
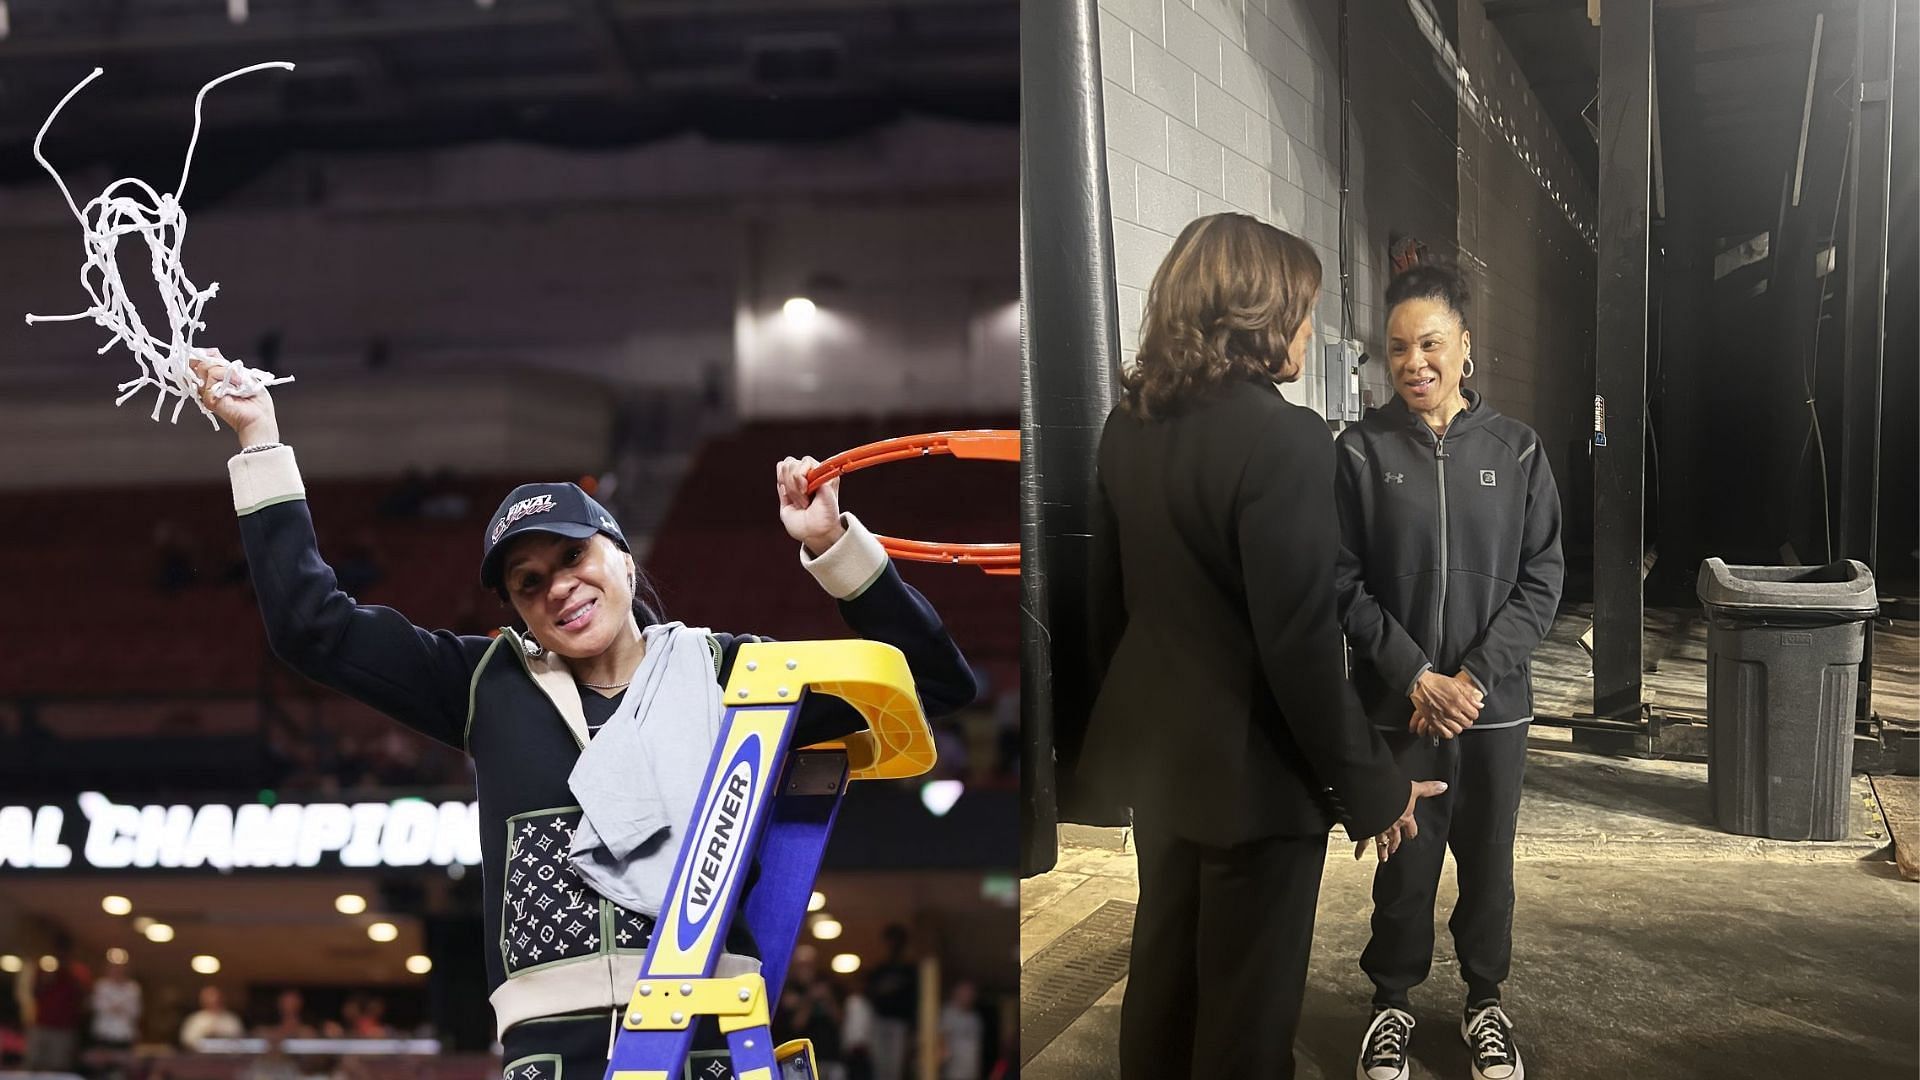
x=1223 y=306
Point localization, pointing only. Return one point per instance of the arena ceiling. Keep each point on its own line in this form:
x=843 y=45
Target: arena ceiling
x=1738 y=67
x=396 y=74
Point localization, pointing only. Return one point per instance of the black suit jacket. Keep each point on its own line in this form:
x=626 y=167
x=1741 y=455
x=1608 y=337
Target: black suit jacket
x=1224 y=711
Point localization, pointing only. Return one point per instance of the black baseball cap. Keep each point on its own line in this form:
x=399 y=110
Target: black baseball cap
x=559 y=509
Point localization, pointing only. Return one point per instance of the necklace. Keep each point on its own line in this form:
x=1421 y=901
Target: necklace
x=606 y=686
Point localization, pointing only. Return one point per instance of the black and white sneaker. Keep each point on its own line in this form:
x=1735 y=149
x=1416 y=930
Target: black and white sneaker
x=1489 y=1037
x=1383 y=1053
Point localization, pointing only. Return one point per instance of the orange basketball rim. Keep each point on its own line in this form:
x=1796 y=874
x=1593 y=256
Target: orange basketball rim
x=982 y=445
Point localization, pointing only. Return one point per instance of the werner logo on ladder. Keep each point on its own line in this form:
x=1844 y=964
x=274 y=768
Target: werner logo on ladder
x=717 y=839
x=768 y=799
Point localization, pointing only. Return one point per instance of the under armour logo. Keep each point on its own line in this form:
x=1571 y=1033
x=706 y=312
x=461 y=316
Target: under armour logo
x=1486 y=478
x=1396 y=478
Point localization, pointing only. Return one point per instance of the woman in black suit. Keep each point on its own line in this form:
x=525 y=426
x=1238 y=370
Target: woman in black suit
x=1224 y=716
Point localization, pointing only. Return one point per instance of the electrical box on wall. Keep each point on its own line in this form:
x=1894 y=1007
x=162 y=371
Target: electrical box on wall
x=1342 y=368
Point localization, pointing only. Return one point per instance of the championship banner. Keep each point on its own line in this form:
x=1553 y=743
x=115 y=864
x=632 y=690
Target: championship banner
x=96 y=833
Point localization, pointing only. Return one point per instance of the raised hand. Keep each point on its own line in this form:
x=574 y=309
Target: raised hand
x=251 y=417
x=814 y=520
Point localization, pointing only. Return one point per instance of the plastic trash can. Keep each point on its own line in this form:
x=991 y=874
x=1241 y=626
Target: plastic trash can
x=1783 y=663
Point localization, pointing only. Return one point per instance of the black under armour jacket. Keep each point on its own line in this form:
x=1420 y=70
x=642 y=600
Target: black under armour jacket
x=561 y=948
x=1450 y=557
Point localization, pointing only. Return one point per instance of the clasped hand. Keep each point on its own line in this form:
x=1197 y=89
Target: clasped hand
x=1444 y=705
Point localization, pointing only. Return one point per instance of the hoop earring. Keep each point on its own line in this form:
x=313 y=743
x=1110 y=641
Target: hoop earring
x=1468 y=374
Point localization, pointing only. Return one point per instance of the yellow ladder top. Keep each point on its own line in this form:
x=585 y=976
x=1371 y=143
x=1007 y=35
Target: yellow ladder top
x=869 y=675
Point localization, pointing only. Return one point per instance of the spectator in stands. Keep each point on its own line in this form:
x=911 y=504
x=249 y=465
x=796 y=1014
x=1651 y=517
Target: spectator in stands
x=962 y=1034
x=856 y=1031
x=895 y=990
x=13 y=1039
x=116 y=1009
x=811 y=1010
x=290 y=1021
x=349 y=1016
x=213 y=1021
x=525 y=706
x=371 y=1021
x=59 y=997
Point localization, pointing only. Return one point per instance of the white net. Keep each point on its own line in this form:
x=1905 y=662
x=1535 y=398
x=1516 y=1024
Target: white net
x=131 y=207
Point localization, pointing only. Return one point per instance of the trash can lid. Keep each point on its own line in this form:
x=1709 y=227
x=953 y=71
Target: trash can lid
x=1841 y=587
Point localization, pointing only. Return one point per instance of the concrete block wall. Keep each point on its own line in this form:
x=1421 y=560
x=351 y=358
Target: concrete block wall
x=1217 y=105
x=1526 y=231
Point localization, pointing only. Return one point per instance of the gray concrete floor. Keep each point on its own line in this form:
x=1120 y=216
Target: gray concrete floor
x=1646 y=943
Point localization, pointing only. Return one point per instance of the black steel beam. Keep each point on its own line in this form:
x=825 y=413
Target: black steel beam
x=1070 y=354
x=1620 y=367
x=1870 y=174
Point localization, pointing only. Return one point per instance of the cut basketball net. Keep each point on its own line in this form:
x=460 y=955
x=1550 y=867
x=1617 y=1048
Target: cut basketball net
x=994 y=559
x=131 y=207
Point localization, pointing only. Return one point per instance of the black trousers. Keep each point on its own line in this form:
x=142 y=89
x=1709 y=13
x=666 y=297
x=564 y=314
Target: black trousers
x=1219 y=966
x=574 y=1047
x=1476 y=818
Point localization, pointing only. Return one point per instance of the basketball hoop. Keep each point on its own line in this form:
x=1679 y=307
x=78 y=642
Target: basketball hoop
x=996 y=559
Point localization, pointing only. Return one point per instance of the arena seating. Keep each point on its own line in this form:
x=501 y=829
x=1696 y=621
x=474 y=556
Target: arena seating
x=191 y=661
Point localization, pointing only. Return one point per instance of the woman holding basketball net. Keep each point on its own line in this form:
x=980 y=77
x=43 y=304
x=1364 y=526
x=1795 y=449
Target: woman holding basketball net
x=570 y=896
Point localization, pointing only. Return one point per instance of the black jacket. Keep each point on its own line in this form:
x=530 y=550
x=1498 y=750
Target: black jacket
x=1224 y=710
x=555 y=946
x=1450 y=557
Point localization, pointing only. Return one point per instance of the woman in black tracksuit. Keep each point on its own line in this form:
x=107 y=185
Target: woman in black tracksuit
x=563 y=958
x=1450 y=572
